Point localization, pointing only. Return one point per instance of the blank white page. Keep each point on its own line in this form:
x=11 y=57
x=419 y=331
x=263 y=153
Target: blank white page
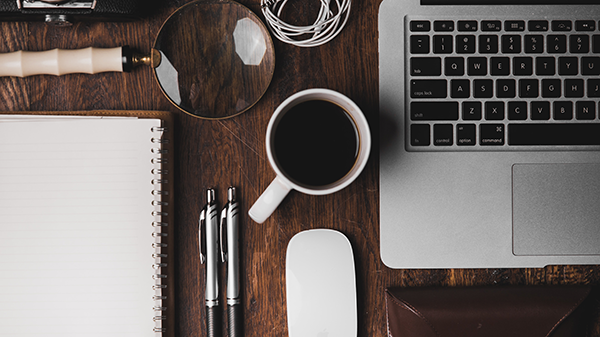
x=76 y=227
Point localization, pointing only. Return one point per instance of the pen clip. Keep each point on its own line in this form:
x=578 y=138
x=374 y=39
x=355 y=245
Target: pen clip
x=202 y=235
x=223 y=232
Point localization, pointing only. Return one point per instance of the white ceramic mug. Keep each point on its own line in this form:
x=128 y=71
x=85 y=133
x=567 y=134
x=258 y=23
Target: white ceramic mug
x=283 y=184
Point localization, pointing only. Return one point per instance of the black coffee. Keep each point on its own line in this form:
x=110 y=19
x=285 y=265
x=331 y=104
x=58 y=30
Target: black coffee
x=315 y=143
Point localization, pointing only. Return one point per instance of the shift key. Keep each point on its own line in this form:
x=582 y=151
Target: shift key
x=434 y=111
x=428 y=89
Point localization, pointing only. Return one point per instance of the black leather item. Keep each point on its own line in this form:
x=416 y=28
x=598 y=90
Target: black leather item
x=105 y=10
x=496 y=311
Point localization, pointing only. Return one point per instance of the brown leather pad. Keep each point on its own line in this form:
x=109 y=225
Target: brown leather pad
x=516 y=311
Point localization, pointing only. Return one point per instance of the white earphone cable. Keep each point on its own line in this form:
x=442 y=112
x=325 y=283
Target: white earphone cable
x=328 y=24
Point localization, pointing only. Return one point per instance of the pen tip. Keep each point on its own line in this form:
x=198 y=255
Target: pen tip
x=210 y=195
x=231 y=193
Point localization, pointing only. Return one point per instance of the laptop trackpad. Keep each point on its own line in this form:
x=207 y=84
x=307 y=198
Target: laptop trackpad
x=556 y=209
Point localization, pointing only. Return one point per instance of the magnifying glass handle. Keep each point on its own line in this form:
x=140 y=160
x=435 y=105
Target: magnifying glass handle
x=67 y=61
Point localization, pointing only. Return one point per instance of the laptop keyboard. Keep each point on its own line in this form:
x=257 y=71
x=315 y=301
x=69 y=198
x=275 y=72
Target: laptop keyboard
x=502 y=84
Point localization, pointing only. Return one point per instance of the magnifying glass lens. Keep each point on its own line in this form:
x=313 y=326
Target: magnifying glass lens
x=216 y=58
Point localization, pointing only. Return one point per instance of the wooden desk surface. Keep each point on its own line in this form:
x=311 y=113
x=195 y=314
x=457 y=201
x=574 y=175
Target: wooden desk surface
x=218 y=154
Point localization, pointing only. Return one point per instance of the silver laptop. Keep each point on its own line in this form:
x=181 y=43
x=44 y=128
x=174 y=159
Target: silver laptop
x=490 y=135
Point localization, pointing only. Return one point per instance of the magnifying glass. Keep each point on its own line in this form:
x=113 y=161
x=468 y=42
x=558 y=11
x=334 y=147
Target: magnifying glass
x=213 y=59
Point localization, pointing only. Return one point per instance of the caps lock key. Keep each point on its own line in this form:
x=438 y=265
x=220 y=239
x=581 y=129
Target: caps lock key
x=428 y=89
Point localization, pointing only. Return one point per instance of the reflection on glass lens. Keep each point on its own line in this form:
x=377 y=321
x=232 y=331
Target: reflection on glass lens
x=217 y=58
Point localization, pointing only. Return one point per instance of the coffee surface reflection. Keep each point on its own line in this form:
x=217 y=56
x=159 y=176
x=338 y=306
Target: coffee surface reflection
x=316 y=143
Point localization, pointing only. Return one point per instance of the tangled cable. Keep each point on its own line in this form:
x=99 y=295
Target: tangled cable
x=328 y=24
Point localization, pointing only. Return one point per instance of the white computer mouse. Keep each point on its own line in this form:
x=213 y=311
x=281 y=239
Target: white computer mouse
x=320 y=285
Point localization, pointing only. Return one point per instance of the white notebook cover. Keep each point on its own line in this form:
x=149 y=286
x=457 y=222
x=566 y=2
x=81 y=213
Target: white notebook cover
x=76 y=227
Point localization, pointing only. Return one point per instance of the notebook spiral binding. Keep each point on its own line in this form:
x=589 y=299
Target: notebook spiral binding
x=159 y=225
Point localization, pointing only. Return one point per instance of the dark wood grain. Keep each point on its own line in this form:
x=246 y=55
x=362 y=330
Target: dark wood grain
x=217 y=154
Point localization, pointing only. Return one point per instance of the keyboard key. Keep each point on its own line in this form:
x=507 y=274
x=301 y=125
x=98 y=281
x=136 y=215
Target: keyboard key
x=428 y=89
x=545 y=66
x=420 y=26
x=443 y=26
x=522 y=66
x=534 y=44
x=537 y=25
x=561 y=25
x=483 y=88
x=488 y=44
x=460 y=89
x=419 y=44
x=443 y=135
x=465 y=44
x=494 y=111
x=590 y=65
x=557 y=44
x=491 y=134
x=585 y=110
x=593 y=88
x=477 y=66
x=434 y=111
x=467 y=26
x=574 y=88
x=465 y=134
x=514 y=25
x=585 y=25
x=506 y=88
x=551 y=88
x=500 y=66
x=568 y=66
x=425 y=66
x=517 y=110
x=511 y=44
x=563 y=110
x=554 y=134
x=419 y=135
x=454 y=66
x=491 y=26
x=528 y=88
x=540 y=110
x=443 y=44
x=579 y=44
x=471 y=111
x=596 y=44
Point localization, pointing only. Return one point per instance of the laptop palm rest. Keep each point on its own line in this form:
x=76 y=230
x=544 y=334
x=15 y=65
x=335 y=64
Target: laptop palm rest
x=556 y=209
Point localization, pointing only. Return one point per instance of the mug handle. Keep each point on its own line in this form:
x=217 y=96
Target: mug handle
x=269 y=200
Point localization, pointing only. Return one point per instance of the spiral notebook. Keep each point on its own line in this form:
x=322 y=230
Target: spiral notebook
x=83 y=226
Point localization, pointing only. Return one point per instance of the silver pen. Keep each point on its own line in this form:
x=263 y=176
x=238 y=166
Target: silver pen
x=231 y=255
x=208 y=240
